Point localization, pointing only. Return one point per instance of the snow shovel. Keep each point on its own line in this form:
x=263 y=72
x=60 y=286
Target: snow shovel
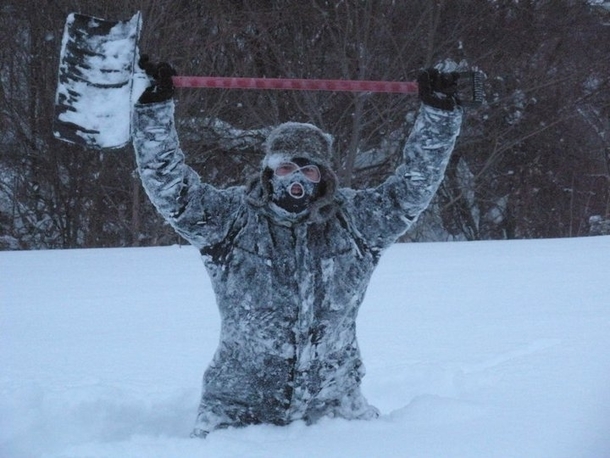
x=99 y=82
x=94 y=89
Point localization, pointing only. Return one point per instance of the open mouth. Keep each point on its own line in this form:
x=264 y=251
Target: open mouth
x=296 y=190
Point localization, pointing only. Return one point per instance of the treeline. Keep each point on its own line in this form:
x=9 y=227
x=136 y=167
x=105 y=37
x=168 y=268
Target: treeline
x=533 y=161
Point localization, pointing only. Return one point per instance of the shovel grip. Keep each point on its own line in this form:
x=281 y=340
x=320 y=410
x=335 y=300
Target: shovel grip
x=404 y=87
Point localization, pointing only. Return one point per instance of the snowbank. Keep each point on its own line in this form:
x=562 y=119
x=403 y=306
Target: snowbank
x=486 y=349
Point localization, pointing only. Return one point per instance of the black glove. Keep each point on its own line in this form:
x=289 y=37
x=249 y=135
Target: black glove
x=438 y=89
x=162 y=86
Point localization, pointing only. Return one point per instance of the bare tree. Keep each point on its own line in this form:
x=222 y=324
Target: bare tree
x=532 y=162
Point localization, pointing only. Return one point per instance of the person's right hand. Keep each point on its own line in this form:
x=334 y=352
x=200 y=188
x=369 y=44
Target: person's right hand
x=161 y=86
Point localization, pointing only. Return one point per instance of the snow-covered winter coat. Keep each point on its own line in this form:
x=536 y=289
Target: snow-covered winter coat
x=288 y=289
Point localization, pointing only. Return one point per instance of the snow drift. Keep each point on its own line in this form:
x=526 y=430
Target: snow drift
x=483 y=349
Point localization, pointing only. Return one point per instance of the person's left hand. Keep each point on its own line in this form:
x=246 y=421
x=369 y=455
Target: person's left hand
x=438 y=89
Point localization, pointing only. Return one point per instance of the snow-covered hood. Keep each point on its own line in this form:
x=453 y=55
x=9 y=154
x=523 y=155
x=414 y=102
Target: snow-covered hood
x=289 y=141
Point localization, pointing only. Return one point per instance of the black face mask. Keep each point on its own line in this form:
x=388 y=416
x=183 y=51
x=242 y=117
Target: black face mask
x=294 y=192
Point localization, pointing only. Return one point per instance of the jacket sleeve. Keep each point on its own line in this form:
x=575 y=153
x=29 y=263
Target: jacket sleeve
x=198 y=211
x=381 y=215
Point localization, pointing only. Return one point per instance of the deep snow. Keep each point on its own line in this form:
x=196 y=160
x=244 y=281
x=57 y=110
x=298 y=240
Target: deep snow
x=473 y=349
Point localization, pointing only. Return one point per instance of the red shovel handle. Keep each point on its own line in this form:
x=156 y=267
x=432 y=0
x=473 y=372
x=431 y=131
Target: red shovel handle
x=405 y=87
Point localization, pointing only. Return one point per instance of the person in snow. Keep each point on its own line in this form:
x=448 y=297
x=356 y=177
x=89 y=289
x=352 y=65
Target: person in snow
x=290 y=254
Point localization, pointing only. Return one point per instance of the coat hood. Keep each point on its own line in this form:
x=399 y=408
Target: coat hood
x=287 y=142
x=293 y=140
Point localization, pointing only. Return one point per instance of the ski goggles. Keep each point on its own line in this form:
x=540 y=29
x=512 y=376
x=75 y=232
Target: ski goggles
x=310 y=171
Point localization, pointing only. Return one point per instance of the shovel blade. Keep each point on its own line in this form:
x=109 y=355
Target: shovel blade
x=94 y=90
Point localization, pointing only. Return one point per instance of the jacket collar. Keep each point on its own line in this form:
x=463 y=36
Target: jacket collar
x=258 y=194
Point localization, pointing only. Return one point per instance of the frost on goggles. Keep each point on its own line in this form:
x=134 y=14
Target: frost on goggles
x=311 y=172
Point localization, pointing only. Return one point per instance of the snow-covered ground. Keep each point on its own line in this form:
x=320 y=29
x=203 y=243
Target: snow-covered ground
x=473 y=349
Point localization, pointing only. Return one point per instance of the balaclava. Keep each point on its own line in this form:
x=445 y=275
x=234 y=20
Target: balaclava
x=294 y=192
x=302 y=144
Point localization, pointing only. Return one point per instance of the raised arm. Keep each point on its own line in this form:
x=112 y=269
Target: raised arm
x=198 y=211
x=381 y=215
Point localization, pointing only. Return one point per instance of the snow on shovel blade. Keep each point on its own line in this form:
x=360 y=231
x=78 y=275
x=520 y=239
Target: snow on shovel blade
x=94 y=89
